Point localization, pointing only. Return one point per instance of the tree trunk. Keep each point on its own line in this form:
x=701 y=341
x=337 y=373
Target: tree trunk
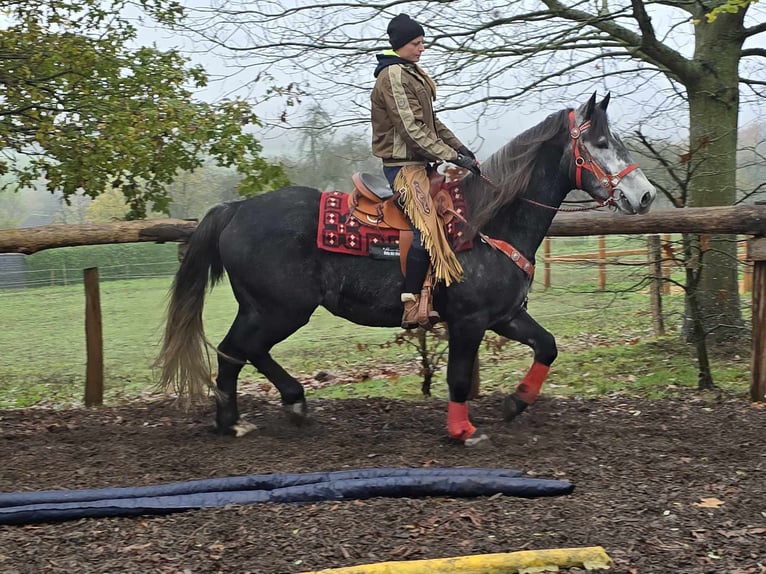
x=712 y=161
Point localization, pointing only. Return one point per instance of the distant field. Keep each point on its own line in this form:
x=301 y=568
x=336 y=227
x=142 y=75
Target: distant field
x=605 y=340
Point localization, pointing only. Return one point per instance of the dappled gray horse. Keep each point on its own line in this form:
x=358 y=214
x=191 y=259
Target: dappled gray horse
x=267 y=245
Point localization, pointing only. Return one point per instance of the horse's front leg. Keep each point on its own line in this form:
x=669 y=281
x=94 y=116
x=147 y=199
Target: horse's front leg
x=464 y=339
x=525 y=329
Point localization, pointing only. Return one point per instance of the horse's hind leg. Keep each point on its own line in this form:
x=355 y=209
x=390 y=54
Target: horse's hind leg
x=291 y=391
x=525 y=329
x=250 y=338
x=227 y=412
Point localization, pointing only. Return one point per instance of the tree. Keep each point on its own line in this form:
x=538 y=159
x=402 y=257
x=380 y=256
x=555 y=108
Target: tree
x=12 y=209
x=752 y=161
x=94 y=113
x=327 y=159
x=193 y=193
x=109 y=206
x=316 y=134
x=493 y=53
x=73 y=210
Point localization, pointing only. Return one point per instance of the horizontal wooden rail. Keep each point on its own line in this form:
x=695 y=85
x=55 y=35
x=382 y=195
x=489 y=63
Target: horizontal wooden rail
x=735 y=220
x=738 y=219
x=596 y=256
x=33 y=239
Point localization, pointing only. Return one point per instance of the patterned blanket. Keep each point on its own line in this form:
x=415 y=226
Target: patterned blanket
x=340 y=233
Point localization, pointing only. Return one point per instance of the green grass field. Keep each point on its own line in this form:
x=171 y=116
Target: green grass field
x=605 y=340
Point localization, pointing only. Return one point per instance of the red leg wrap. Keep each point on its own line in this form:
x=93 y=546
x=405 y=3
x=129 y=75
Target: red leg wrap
x=458 y=425
x=529 y=388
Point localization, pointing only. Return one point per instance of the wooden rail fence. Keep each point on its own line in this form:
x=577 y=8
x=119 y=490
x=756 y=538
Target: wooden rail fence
x=749 y=220
x=663 y=253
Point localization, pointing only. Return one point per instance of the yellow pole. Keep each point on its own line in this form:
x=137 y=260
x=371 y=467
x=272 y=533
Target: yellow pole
x=591 y=558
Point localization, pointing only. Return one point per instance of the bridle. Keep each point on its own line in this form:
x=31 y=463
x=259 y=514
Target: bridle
x=583 y=160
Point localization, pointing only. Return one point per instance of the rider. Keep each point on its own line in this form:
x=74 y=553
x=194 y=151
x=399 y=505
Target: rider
x=407 y=135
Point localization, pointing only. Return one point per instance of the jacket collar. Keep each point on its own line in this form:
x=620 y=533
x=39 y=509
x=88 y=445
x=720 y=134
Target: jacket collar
x=389 y=58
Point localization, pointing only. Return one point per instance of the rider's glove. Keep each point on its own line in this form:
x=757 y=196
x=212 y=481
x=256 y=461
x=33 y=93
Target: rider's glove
x=465 y=151
x=467 y=162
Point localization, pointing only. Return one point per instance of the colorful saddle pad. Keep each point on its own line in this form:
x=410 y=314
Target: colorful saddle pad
x=340 y=233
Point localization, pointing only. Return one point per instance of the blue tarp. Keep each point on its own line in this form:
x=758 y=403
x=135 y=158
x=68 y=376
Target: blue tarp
x=57 y=505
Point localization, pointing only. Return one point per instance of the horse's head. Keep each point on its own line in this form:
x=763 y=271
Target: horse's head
x=601 y=164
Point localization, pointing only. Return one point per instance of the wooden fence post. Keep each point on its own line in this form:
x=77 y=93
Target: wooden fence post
x=601 y=263
x=654 y=254
x=756 y=252
x=747 y=274
x=94 y=342
x=667 y=264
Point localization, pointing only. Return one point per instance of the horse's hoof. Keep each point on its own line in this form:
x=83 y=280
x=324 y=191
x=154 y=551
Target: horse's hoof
x=513 y=406
x=477 y=439
x=239 y=428
x=297 y=413
x=242 y=428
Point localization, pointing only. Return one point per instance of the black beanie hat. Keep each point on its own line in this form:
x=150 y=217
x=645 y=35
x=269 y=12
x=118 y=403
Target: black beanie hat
x=402 y=30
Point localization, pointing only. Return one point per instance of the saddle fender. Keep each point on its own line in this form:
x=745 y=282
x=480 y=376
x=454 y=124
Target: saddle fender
x=373 y=203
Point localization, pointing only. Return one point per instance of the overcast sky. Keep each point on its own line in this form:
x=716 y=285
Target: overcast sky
x=487 y=135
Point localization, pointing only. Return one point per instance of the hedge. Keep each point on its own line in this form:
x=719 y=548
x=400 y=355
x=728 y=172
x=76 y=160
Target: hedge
x=64 y=266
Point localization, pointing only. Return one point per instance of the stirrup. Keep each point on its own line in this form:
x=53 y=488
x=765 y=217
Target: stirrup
x=411 y=304
x=427 y=315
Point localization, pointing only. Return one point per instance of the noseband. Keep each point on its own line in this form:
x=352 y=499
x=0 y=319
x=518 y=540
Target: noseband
x=584 y=160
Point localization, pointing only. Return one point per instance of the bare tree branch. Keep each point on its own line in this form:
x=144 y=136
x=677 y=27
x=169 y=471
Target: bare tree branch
x=754 y=30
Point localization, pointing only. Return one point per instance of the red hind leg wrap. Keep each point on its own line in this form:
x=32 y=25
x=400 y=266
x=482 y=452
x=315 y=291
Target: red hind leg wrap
x=529 y=388
x=458 y=425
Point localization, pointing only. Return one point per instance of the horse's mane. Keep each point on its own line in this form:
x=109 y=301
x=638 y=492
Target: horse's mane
x=510 y=169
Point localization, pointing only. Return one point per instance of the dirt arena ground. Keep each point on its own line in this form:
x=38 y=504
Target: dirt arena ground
x=674 y=486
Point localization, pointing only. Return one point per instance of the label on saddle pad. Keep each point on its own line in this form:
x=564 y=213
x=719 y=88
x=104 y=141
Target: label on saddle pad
x=384 y=251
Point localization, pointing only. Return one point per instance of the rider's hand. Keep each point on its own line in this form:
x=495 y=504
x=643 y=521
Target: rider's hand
x=467 y=162
x=465 y=151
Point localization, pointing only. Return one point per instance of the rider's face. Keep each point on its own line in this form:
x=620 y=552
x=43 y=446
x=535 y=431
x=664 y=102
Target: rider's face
x=412 y=50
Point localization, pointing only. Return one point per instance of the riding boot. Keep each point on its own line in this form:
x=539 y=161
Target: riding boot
x=417 y=265
x=410 y=316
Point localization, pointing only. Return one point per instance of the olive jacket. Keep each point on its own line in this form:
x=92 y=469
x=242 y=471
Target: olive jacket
x=405 y=130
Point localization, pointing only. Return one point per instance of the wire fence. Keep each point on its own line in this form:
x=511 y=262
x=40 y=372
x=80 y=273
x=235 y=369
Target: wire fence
x=44 y=349
x=63 y=276
x=64 y=266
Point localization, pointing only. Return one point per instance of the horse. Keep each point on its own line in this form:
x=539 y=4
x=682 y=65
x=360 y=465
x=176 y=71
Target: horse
x=267 y=246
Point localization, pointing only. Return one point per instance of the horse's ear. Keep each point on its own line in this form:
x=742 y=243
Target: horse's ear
x=605 y=102
x=589 y=107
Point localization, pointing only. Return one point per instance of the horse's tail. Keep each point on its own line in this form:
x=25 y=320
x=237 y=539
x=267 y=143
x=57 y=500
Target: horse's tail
x=184 y=360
